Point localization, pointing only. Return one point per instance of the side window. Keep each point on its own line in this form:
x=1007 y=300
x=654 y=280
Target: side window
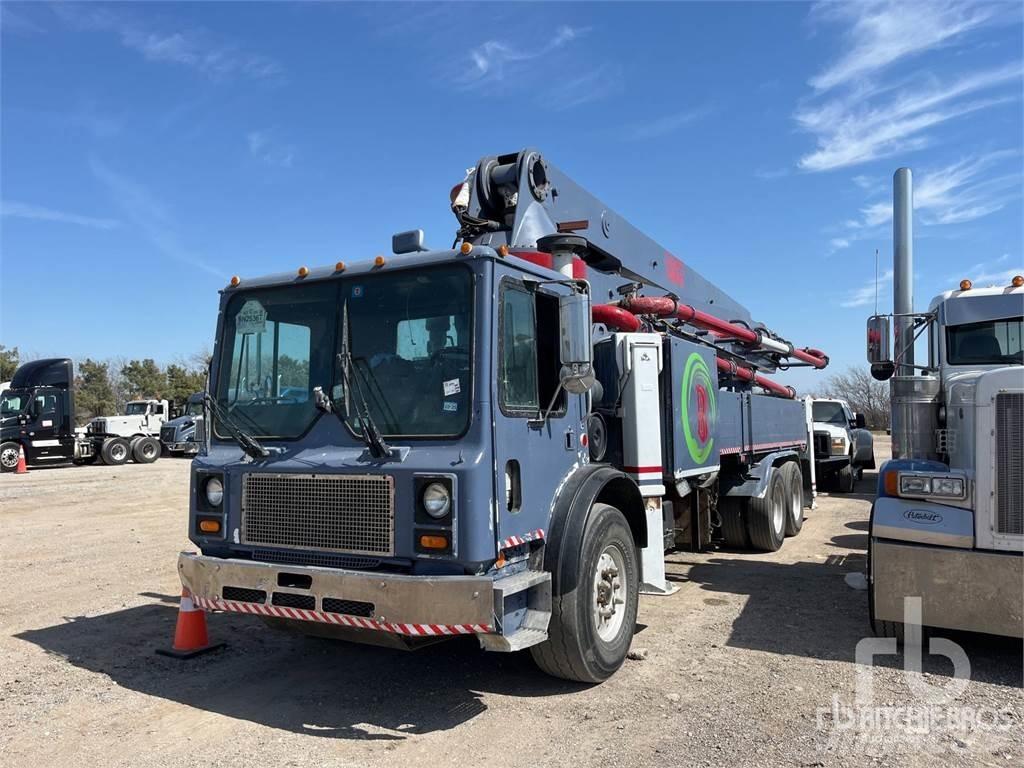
x=517 y=374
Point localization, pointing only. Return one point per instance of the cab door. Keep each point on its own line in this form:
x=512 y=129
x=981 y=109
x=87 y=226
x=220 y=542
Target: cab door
x=45 y=425
x=533 y=455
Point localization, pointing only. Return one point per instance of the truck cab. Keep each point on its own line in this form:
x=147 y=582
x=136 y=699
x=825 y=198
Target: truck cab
x=843 y=447
x=37 y=414
x=178 y=435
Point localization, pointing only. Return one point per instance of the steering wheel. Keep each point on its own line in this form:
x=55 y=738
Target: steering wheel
x=453 y=351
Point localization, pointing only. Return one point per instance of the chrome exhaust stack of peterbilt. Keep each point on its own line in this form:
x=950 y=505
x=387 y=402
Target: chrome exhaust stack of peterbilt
x=915 y=397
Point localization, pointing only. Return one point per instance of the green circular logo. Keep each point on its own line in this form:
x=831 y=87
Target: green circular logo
x=699 y=412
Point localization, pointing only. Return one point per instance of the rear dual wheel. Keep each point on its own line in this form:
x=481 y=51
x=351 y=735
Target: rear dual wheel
x=764 y=523
x=115 y=451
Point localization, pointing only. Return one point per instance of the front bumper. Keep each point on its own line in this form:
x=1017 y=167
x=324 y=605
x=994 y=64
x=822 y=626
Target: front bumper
x=415 y=606
x=963 y=589
x=182 y=447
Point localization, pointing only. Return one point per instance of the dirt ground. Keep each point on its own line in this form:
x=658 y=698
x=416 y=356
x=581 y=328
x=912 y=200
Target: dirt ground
x=751 y=662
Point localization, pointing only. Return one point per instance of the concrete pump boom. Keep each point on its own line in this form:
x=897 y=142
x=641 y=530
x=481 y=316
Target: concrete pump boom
x=522 y=202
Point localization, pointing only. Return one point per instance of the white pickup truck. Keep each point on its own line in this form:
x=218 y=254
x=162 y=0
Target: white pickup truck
x=843 y=448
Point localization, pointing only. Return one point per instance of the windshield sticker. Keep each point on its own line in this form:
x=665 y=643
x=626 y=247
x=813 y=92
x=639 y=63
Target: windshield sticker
x=452 y=387
x=451 y=406
x=252 y=318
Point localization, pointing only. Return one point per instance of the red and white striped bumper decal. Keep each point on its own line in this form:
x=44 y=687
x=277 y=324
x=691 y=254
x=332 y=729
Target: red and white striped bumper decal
x=412 y=630
x=515 y=541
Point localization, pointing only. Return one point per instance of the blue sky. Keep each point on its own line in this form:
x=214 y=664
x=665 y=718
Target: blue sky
x=152 y=150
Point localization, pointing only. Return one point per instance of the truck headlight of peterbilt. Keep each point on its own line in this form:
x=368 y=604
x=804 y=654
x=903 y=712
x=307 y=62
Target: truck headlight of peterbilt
x=926 y=485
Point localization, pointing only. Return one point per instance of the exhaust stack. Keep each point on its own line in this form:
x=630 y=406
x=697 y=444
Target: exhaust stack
x=903 y=269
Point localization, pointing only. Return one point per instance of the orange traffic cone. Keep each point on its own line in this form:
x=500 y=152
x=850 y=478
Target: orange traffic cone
x=190 y=638
x=22 y=466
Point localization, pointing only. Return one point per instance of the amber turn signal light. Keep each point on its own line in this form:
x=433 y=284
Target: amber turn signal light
x=209 y=526
x=434 y=542
x=965 y=285
x=339 y=267
x=466 y=248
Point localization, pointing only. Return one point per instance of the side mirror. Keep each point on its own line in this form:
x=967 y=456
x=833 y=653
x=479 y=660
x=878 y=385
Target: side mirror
x=878 y=347
x=860 y=421
x=575 y=349
x=408 y=242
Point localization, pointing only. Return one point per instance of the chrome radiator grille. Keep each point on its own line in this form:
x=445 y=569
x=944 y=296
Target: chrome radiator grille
x=332 y=513
x=1010 y=462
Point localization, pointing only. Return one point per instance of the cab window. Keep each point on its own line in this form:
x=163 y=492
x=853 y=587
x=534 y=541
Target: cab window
x=529 y=359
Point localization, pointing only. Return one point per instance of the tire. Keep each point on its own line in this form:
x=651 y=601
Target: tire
x=146 y=450
x=115 y=451
x=845 y=479
x=9 y=456
x=794 y=479
x=590 y=631
x=766 y=517
x=734 y=524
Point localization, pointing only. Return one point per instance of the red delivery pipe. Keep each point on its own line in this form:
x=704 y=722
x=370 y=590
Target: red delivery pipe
x=748 y=374
x=665 y=307
x=615 y=317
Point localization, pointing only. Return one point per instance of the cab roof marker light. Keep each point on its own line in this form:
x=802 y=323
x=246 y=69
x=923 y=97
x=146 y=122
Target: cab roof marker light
x=965 y=285
x=235 y=280
x=379 y=261
x=339 y=267
x=303 y=271
x=1017 y=281
x=466 y=248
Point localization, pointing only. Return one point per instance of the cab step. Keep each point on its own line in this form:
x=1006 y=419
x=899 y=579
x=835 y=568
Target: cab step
x=522 y=609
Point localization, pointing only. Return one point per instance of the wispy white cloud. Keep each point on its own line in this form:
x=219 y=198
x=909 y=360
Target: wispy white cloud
x=495 y=60
x=881 y=33
x=956 y=193
x=838 y=243
x=14 y=209
x=851 y=130
x=992 y=272
x=863 y=108
x=866 y=293
x=265 y=148
x=197 y=49
x=594 y=85
x=153 y=219
x=663 y=126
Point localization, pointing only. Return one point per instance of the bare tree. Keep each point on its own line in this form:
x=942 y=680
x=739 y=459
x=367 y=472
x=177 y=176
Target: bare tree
x=864 y=394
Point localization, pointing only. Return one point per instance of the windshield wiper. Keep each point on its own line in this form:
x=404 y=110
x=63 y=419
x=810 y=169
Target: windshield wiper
x=245 y=441
x=369 y=433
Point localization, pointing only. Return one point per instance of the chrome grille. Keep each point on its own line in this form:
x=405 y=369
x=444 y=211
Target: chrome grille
x=167 y=434
x=332 y=513
x=1010 y=462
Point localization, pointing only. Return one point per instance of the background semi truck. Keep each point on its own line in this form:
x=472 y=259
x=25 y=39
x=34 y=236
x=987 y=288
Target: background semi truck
x=499 y=439
x=947 y=525
x=178 y=435
x=38 y=416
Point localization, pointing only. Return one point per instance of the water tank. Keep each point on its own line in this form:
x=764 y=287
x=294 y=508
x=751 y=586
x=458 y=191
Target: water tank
x=915 y=416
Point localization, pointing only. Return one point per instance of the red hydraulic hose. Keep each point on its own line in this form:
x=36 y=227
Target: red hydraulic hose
x=747 y=374
x=615 y=317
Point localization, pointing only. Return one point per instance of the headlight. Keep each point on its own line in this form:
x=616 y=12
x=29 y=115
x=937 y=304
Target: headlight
x=838 y=445
x=436 y=500
x=214 y=492
x=946 y=486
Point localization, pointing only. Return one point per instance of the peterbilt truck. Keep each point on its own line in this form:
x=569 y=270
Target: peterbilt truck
x=178 y=434
x=499 y=439
x=37 y=415
x=947 y=525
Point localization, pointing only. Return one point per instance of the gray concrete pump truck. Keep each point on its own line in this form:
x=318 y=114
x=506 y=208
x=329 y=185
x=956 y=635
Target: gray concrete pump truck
x=499 y=439
x=947 y=526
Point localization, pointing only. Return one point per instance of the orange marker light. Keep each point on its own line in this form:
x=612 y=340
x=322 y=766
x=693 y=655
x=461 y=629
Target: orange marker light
x=303 y=271
x=209 y=526
x=339 y=267
x=1018 y=281
x=235 y=280
x=503 y=251
x=379 y=261
x=466 y=248
x=891 y=483
x=434 y=542
x=965 y=285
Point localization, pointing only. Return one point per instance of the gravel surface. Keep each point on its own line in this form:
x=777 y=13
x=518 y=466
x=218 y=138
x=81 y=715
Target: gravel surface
x=751 y=662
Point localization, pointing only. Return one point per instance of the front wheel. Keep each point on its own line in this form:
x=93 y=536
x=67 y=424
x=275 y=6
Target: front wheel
x=845 y=479
x=9 y=457
x=593 y=614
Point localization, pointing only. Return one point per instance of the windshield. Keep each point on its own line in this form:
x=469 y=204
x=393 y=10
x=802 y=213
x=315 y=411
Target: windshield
x=830 y=413
x=992 y=342
x=135 y=409
x=193 y=409
x=409 y=337
x=13 y=402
